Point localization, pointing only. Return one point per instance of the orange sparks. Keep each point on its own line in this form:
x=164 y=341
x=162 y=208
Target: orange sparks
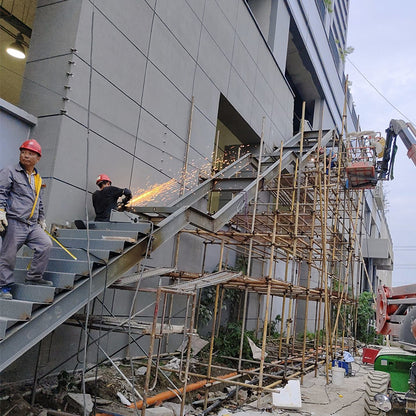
x=151 y=194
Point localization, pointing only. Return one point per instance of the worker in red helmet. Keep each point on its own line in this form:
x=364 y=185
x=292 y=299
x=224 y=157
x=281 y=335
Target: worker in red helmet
x=106 y=198
x=22 y=219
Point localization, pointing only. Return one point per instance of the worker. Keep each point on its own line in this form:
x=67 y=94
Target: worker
x=105 y=199
x=22 y=219
x=331 y=158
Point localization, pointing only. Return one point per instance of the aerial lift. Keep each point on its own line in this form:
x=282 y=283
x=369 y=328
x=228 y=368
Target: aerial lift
x=370 y=158
x=392 y=384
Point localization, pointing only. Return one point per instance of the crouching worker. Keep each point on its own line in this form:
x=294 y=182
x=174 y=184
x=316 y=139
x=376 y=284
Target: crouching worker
x=22 y=219
x=105 y=199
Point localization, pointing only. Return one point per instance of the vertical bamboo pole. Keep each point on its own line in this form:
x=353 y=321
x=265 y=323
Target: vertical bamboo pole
x=243 y=327
x=324 y=211
x=188 y=144
x=269 y=280
x=220 y=309
x=253 y=218
x=214 y=320
x=249 y=261
x=149 y=360
x=188 y=353
x=211 y=345
x=308 y=283
x=350 y=252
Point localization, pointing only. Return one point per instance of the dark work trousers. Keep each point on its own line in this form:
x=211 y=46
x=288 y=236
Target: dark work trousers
x=17 y=234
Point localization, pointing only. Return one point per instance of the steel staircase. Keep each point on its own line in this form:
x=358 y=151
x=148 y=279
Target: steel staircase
x=115 y=247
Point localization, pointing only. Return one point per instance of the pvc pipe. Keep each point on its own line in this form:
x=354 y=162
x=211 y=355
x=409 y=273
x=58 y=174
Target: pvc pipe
x=170 y=394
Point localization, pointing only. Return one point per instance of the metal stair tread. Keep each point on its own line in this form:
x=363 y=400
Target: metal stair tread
x=67 y=266
x=37 y=294
x=95 y=234
x=81 y=254
x=141 y=227
x=81 y=243
x=19 y=310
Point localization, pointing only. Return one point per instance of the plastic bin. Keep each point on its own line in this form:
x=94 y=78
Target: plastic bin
x=340 y=364
x=369 y=355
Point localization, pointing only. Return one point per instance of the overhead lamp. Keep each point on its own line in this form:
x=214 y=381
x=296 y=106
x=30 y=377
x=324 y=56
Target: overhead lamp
x=16 y=49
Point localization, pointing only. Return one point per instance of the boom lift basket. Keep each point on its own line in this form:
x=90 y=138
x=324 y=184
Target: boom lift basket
x=362 y=151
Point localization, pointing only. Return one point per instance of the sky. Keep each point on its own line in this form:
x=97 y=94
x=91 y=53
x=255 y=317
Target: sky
x=382 y=72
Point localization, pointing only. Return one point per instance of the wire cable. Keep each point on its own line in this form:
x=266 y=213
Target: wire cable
x=378 y=91
x=86 y=330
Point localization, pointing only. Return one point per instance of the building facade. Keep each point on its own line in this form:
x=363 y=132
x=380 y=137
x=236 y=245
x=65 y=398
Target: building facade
x=155 y=92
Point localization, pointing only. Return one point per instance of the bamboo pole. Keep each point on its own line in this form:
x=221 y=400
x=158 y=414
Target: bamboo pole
x=268 y=279
x=149 y=361
x=188 y=352
x=305 y=328
x=211 y=345
x=188 y=144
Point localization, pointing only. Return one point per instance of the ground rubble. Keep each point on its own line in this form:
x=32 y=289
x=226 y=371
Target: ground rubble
x=319 y=396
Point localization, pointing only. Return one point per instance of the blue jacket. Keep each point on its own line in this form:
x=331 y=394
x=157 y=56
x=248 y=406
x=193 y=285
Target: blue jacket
x=17 y=197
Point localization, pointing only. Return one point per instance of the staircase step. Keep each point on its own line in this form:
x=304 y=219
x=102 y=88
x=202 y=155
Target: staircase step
x=59 y=280
x=58 y=265
x=141 y=227
x=99 y=256
x=114 y=246
x=4 y=325
x=95 y=234
x=33 y=293
x=16 y=309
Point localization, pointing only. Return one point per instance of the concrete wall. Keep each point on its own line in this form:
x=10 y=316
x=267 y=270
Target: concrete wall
x=15 y=128
x=127 y=114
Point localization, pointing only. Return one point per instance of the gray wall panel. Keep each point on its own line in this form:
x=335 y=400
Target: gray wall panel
x=198 y=6
x=61 y=19
x=181 y=20
x=115 y=116
x=124 y=66
x=239 y=95
x=133 y=19
x=206 y=95
x=163 y=100
x=247 y=31
x=244 y=64
x=213 y=61
x=43 y=87
x=167 y=54
x=219 y=27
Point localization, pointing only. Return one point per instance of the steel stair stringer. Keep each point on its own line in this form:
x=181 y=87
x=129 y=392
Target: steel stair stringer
x=21 y=338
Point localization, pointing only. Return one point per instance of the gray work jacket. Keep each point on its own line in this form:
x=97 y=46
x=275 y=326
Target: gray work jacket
x=17 y=196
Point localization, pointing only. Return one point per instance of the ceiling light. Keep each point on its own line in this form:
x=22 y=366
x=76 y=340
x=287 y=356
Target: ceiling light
x=17 y=49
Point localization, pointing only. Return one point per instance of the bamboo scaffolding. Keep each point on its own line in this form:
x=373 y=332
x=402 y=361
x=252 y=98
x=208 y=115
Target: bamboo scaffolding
x=293 y=234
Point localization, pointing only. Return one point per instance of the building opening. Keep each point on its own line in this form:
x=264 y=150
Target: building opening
x=234 y=138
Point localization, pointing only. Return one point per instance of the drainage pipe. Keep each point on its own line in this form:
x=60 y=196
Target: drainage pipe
x=170 y=394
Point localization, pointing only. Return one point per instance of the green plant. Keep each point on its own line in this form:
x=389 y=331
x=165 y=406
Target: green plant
x=343 y=52
x=231 y=301
x=274 y=326
x=365 y=315
x=328 y=5
x=228 y=343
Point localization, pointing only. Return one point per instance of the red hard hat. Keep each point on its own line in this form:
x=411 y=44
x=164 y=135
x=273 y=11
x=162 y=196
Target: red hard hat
x=102 y=178
x=32 y=145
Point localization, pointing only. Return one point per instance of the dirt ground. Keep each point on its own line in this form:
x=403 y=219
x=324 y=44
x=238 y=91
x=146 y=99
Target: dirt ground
x=318 y=397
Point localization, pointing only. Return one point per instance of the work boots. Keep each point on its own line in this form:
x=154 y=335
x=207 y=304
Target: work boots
x=5 y=293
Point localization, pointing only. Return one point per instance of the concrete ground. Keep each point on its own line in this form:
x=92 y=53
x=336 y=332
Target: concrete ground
x=320 y=398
